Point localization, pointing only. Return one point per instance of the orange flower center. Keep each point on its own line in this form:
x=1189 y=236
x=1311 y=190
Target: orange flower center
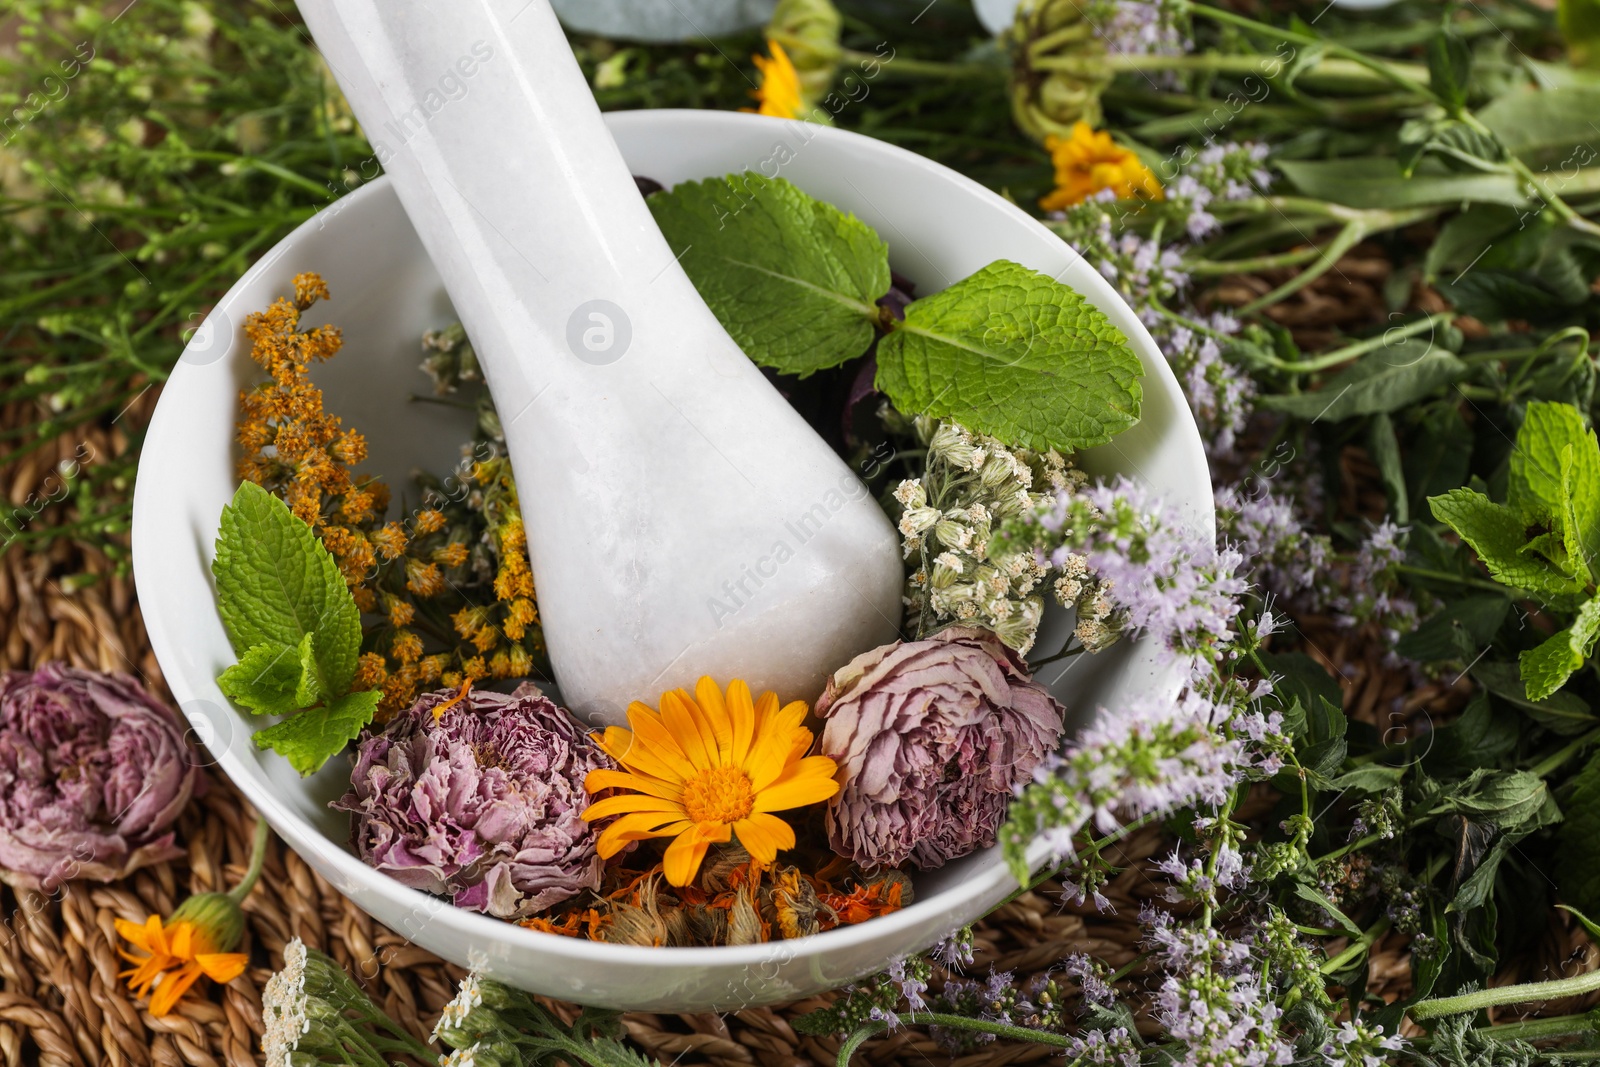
x=721 y=794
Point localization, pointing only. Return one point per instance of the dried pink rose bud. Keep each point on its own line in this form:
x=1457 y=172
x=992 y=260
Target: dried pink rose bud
x=932 y=739
x=483 y=805
x=93 y=771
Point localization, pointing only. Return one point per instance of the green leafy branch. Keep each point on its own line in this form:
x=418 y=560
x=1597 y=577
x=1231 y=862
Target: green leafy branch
x=1545 y=540
x=295 y=627
x=1006 y=352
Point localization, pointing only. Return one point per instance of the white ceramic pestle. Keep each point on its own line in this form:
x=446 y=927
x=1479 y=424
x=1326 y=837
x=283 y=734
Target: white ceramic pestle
x=682 y=519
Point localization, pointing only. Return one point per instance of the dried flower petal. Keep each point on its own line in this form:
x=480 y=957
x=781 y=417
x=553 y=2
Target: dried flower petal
x=932 y=739
x=93 y=771
x=485 y=805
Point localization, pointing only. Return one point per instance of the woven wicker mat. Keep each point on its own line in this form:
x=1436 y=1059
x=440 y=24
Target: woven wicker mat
x=60 y=1000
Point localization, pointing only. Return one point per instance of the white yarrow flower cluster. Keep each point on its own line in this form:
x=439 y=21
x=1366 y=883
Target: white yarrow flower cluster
x=469 y=995
x=283 y=1007
x=948 y=521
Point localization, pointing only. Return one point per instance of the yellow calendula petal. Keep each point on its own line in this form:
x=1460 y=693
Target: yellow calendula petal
x=781 y=832
x=627 y=802
x=683 y=724
x=639 y=754
x=637 y=826
x=757 y=841
x=222 y=967
x=681 y=862
x=134 y=933
x=605 y=778
x=800 y=745
x=742 y=715
x=660 y=739
x=715 y=710
x=173 y=986
x=811 y=783
x=766 y=705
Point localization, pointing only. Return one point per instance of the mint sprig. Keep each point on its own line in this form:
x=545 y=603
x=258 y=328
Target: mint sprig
x=792 y=279
x=1545 y=539
x=1013 y=354
x=1007 y=352
x=295 y=627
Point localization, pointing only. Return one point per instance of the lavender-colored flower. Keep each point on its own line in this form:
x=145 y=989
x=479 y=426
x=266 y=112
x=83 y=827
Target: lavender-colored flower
x=483 y=805
x=93 y=771
x=1166 y=573
x=932 y=739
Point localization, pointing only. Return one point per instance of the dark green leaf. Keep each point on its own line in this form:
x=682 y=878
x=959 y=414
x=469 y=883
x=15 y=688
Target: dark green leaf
x=1385 y=451
x=1495 y=296
x=1368 y=778
x=1564 y=713
x=1381 y=381
x=1449 y=69
x=1438 y=454
x=1378 y=182
x=1578 y=839
x=1460 y=631
x=792 y=279
x=1312 y=895
x=1011 y=353
x=1547 y=127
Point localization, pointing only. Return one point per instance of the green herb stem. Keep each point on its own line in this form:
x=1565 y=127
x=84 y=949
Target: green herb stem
x=258 y=859
x=1542 y=1029
x=927 y=68
x=1551 y=763
x=1405 y=76
x=1555 y=989
x=954 y=1022
x=1358 y=947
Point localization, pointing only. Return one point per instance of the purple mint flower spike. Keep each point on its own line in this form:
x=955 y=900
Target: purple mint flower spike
x=483 y=806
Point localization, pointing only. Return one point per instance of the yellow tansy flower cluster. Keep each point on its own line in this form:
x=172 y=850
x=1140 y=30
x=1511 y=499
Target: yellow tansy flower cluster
x=1090 y=161
x=447 y=592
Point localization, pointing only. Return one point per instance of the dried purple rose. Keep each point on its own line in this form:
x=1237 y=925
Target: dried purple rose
x=483 y=805
x=932 y=738
x=93 y=771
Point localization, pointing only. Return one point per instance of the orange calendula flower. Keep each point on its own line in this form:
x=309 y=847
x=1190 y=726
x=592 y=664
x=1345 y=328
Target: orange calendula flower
x=705 y=768
x=1090 y=161
x=175 y=956
x=779 y=94
x=196 y=942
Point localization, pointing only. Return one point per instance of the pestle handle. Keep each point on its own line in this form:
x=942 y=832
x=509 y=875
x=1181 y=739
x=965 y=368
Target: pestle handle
x=655 y=464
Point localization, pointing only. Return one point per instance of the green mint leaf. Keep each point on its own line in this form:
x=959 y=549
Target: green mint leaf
x=308 y=739
x=1316 y=897
x=1449 y=69
x=1497 y=534
x=1535 y=490
x=1578 y=840
x=1459 y=632
x=1580 y=505
x=1011 y=353
x=1562 y=713
x=274 y=679
x=276 y=584
x=1388 y=379
x=1547 y=668
x=792 y=279
x=1584 y=921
